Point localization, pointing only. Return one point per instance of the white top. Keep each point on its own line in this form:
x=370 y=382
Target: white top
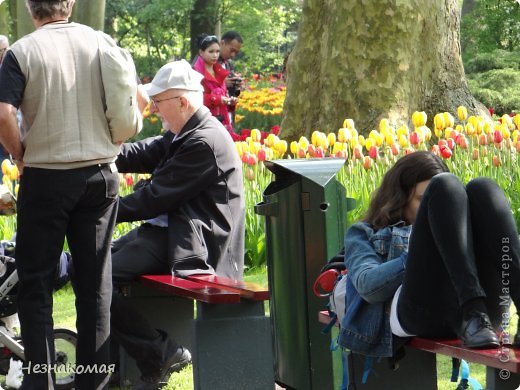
x=395 y=325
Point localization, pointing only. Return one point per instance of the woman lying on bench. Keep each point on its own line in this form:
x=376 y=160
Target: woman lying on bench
x=449 y=276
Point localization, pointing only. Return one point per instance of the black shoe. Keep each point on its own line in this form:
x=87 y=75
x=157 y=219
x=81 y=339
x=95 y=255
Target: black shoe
x=477 y=332
x=180 y=359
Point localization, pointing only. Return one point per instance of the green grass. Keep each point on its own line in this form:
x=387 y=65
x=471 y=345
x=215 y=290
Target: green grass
x=65 y=317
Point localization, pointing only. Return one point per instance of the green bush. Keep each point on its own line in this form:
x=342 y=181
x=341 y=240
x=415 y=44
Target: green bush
x=497 y=88
x=497 y=59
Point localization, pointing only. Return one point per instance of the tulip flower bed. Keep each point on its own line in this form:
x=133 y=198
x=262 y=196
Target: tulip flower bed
x=471 y=147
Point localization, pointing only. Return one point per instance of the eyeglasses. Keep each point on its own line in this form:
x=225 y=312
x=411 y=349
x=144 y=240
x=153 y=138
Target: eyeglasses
x=155 y=101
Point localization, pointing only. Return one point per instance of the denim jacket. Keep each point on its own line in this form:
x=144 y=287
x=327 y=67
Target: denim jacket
x=375 y=263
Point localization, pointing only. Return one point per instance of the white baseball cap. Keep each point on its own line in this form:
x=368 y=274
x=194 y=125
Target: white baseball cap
x=175 y=75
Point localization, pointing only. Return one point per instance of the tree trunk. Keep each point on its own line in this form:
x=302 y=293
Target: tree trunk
x=23 y=21
x=91 y=13
x=4 y=13
x=203 y=20
x=371 y=60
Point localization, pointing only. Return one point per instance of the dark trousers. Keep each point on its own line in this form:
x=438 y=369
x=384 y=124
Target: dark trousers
x=81 y=205
x=141 y=251
x=464 y=245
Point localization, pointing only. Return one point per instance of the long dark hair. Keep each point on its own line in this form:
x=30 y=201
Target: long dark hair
x=389 y=200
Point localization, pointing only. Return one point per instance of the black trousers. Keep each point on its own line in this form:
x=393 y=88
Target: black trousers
x=141 y=251
x=464 y=245
x=81 y=205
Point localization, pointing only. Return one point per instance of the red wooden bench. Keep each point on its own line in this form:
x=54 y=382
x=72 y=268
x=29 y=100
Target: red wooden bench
x=502 y=364
x=226 y=329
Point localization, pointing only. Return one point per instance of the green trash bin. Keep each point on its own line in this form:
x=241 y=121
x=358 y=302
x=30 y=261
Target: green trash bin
x=305 y=209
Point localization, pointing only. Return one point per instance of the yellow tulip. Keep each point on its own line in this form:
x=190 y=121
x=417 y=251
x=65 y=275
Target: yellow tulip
x=294 y=147
x=254 y=147
x=516 y=120
x=281 y=147
x=331 y=137
x=389 y=139
x=338 y=147
x=462 y=113
x=403 y=141
x=6 y=166
x=383 y=125
x=369 y=142
x=271 y=139
x=473 y=120
x=348 y=123
x=403 y=130
x=419 y=118
x=439 y=121
x=449 y=121
x=303 y=141
x=507 y=120
x=343 y=133
x=314 y=137
x=487 y=128
x=361 y=140
x=256 y=136
x=13 y=173
x=438 y=132
x=239 y=148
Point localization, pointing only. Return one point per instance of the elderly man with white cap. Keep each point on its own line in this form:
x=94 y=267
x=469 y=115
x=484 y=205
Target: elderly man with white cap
x=193 y=208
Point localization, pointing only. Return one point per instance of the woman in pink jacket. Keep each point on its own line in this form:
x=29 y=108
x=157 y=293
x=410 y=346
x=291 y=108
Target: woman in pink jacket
x=215 y=91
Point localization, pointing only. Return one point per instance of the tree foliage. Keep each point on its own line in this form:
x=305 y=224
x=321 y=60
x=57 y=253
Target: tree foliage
x=154 y=31
x=490 y=25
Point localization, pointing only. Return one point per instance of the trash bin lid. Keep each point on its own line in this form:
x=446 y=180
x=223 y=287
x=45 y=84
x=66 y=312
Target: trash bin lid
x=318 y=170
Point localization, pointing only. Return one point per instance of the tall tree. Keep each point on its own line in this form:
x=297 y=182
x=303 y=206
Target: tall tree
x=22 y=21
x=4 y=12
x=372 y=60
x=204 y=19
x=91 y=13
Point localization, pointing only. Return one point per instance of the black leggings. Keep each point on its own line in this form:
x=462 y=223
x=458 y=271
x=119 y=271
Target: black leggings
x=464 y=245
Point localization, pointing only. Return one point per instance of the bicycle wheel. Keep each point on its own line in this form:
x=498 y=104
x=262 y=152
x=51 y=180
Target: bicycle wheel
x=65 y=345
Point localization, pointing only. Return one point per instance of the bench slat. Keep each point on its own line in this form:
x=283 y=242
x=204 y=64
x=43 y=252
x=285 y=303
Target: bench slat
x=190 y=289
x=503 y=357
x=245 y=289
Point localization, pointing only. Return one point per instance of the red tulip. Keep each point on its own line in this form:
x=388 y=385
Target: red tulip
x=311 y=149
x=373 y=152
x=475 y=154
x=482 y=139
x=358 y=154
x=129 y=178
x=436 y=150
x=450 y=143
x=262 y=154
x=446 y=152
x=414 y=138
x=497 y=136
x=367 y=163
x=319 y=153
x=395 y=149
x=496 y=161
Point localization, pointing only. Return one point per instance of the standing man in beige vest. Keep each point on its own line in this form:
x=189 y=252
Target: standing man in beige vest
x=69 y=186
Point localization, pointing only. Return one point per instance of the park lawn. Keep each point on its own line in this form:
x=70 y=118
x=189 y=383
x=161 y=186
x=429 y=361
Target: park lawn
x=65 y=317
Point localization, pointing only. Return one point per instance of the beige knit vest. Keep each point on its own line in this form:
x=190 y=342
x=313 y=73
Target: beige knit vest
x=64 y=124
